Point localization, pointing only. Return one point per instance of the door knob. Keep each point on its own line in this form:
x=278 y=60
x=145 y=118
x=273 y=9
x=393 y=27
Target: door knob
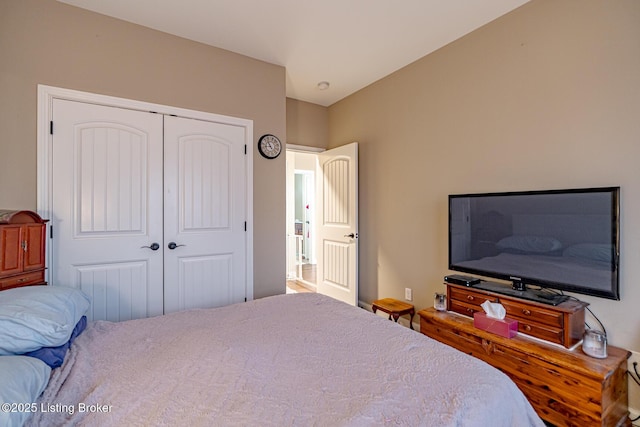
x=173 y=245
x=351 y=235
x=153 y=247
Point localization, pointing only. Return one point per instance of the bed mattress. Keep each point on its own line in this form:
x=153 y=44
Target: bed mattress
x=298 y=359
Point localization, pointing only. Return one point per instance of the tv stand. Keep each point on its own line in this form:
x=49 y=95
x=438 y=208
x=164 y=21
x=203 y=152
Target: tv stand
x=520 y=290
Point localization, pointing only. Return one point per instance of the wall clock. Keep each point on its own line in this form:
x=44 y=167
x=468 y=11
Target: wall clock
x=269 y=146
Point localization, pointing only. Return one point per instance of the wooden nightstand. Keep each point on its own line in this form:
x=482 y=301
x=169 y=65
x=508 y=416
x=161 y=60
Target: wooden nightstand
x=395 y=309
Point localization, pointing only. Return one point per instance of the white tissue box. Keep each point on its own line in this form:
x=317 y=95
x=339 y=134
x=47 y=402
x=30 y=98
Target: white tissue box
x=506 y=327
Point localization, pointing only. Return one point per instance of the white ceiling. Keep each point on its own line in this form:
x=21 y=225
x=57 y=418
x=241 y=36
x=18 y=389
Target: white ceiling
x=349 y=43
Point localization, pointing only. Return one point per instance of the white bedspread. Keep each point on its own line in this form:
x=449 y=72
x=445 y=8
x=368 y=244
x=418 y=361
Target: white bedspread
x=300 y=359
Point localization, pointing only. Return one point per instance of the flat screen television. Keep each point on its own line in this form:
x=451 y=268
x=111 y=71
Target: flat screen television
x=566 y=240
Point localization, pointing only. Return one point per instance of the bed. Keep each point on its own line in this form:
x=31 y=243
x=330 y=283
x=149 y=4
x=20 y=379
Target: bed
x=295 y=359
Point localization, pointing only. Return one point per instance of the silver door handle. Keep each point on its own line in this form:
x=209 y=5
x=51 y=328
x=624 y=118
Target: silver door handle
x=351 y=235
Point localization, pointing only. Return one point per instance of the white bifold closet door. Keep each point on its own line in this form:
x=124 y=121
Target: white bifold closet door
x=148 y=211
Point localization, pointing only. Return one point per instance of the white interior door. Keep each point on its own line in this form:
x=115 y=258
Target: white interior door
x=205 y=221
x=337 y=199
x=107 y=179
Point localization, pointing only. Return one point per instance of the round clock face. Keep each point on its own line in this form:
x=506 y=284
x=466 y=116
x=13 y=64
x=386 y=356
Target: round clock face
x=269 y=146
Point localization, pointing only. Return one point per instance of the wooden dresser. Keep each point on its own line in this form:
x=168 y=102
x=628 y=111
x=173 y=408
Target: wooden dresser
x=565 y=387
x=22 y=249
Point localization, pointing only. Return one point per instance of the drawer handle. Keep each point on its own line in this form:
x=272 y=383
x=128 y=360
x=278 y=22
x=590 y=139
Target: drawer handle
x=526 y=328
x=470 y=310
x=22 y=280
x=470 y=297
x=526 y=312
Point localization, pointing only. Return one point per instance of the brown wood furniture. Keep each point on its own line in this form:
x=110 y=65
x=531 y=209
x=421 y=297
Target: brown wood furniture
x=395 y=309
x=22 y=249
x=562 y=324
x=565 y=387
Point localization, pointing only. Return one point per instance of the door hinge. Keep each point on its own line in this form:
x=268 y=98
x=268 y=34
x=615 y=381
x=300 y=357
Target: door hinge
x=51 y=231
x=245 y=149
x=245 y=226
x=51 y=127
x=245 y=299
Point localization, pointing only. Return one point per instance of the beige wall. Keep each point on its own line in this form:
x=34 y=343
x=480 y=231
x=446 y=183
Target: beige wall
x=545 y=97
x=46 y=42
x=307 y=124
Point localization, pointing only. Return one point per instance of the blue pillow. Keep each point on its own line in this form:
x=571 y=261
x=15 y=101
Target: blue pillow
x=23 y=380
x=54 y=356
x=33 y=317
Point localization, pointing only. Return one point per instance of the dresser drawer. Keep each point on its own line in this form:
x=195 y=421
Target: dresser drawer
x=464 y=308
x=547 y=333
x=22 y=280
x=532 y=314
x=470 y=297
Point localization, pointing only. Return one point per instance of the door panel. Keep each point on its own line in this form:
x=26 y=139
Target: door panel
x=34 y=238
x=11 y=249
x=338 y=223
x=107 y=206
x=115 y=289
x=205 y=281
x=205 y=205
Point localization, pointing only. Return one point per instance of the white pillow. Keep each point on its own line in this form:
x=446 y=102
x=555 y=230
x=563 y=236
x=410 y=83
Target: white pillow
x=33 y=317
x=23 y=380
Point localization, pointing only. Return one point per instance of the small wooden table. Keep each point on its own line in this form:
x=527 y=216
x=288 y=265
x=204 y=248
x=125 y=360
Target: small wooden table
x=395 y=309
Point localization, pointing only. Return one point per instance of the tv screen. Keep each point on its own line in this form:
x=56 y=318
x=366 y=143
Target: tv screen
x=560 y=239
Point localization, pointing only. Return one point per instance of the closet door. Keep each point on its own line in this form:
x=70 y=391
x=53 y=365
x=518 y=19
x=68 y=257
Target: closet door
x=205 y=213
x=107 y=208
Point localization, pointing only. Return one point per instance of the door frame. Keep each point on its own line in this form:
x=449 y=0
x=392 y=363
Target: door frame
x=46 y=95
x=318 y=195
x=290 y=172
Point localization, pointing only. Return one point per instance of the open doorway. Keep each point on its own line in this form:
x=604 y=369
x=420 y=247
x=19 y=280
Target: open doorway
x=322 y=236
x=301 y=217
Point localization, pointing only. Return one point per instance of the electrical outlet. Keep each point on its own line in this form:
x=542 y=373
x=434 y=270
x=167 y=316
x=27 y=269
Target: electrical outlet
x=408 y=294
